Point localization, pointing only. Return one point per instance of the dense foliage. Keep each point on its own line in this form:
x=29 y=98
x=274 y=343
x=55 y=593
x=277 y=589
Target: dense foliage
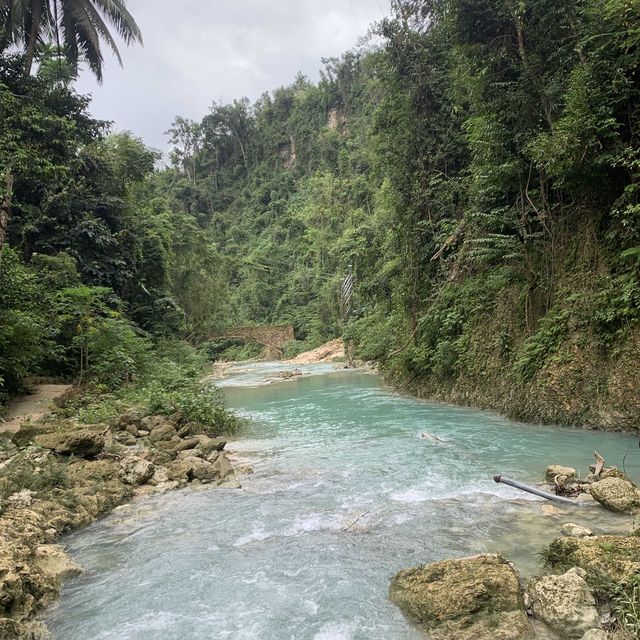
x=477 y=168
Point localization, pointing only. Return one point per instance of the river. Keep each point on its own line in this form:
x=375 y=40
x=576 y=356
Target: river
x=343 y=494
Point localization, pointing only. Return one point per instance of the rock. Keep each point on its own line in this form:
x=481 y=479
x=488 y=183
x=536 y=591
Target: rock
x=617 y=494
x=184 y=445
x=223 y=466
x=152 y=422
x=21 y=499
x=161 y=433
x=189 y=453
x=213 y=456
x=160 y=476
x=85 y=441
x=571 y=529
x=476 y=598
x=142 y=433
x=179 y=470
x=230 y=483
x=128 y=418
x=11 y=629
x=207 y=444
x=613 y=472
x=52 y=560
x=615 y=556
x=595 y=634
x=558 y=470
x=565 y=603
x=135 y=470
x=204 y=471
x=189 y=429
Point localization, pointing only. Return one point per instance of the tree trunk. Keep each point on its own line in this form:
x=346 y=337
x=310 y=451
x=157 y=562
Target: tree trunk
x=36 y=15
x=5 y=208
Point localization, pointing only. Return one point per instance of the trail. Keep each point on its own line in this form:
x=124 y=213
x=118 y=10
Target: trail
x=35 y=406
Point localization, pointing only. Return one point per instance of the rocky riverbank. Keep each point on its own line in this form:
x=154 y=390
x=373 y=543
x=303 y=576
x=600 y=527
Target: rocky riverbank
x=590 y=588
x=58 y=476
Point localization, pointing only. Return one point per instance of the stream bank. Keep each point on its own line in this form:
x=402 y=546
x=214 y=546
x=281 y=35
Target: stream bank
x=58 y=476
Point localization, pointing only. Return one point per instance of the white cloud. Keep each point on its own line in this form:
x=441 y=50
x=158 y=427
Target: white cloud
x=196 y=52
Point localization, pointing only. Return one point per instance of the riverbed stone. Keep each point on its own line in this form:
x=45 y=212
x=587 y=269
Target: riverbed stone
x=572 y=529
x=207 y=444
x=189 y=453
x=564 y=603
x=476 y=598
x=86 y=441
x=617 y=494
x=204 y=471
x=558 y=470
x=135 y=470
x=11 y=629
x=179 y=470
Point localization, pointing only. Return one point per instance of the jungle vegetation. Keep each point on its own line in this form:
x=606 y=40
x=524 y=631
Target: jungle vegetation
x=476 y=164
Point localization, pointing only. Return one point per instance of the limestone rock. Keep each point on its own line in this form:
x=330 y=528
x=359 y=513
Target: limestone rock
x=179 y=470
x=595 y=634
x=135 y=470
x=572 y=529
x=223 y=466
x=616 y=556
x=162 y=432
x=558 y=470
x=189 y=453
x=476 y=598
x=617 y=494
x=204 y=471
x=52 y=560
x=85 y=441
x=11 y=629
x=565 y=603
x=207 y=445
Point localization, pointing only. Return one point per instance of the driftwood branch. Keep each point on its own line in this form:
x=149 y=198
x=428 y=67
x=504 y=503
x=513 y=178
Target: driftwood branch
x=356 y=520
x=599 y=464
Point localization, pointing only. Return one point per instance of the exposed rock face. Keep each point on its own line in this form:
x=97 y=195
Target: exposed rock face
x=53 y=561
x=475 y=598
x=84 y=441
x=571 y=529
x=558 y=470
x=135 y=471
x=617 y=494
x=565 y=603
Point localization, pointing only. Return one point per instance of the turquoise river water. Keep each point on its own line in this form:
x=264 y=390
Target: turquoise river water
x=344 y=494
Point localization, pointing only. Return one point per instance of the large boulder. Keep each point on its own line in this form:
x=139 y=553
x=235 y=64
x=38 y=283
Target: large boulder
x=476 y=598
x=565 y=603
x=135 y=471
x=572 y=529
x=223 y=467
x=617 y=494
x=84 y=441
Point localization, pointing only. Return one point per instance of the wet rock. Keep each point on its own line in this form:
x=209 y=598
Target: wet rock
x=135 y=470
x=161 y=433
x=204 y=471
x=179 y=471
x=558 y=470
x=52 y=560
x=85 y=441
x=617 y=494
x=223 y=467
x=475 y=598
x=571 y=529
x=565 y=603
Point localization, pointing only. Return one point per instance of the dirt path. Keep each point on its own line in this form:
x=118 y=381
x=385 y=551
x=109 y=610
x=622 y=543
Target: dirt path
x=34 y=406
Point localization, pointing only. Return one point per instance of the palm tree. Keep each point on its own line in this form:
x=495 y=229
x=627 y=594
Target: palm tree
x=77 y=27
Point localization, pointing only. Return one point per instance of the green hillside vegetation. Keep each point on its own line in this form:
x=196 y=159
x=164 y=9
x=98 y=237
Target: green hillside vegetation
x=476 y=163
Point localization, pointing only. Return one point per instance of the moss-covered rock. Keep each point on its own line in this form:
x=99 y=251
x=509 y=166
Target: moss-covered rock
x=617 y=557
x=476 y=598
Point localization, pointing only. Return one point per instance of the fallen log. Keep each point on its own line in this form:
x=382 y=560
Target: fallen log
x=534 y=490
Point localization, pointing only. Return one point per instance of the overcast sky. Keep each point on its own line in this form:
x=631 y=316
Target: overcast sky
x=198 y=51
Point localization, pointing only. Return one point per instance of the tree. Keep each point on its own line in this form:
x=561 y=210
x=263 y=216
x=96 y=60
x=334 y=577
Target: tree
x=77 y=26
